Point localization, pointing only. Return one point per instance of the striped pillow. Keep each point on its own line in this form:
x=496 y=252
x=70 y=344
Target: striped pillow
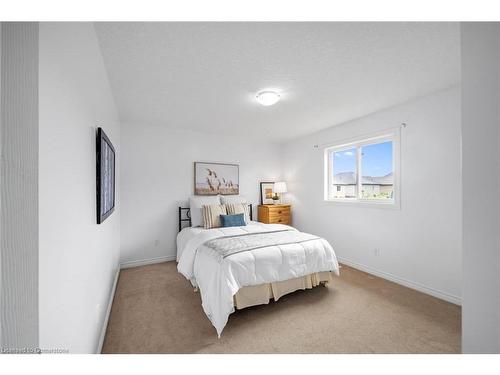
x=211 y=215
x=239 y=208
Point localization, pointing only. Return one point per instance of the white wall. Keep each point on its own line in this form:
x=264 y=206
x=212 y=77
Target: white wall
x=481 y=211
x=19 y=189
x=420 y=243
x=157 y=176
x=78 y=258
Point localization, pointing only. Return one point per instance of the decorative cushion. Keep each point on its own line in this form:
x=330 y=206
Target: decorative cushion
x=237 y=220
x=239 y=208
x=196 y=202
x=212 y=214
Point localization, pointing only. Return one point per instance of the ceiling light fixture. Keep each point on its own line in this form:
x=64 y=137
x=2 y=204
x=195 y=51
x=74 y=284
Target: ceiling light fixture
x=267 y=98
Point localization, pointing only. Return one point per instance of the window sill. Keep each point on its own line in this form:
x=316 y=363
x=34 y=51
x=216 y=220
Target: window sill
x=364 y=203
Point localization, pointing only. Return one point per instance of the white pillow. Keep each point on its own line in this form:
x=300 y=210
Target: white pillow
x=230 y=199
x=196 y=202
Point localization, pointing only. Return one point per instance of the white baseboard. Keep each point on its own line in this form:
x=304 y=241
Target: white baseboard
x=144 y=262
x=399 y=280
x=108 y=312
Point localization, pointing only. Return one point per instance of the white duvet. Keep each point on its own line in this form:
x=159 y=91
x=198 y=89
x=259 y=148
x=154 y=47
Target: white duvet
x=219 y=279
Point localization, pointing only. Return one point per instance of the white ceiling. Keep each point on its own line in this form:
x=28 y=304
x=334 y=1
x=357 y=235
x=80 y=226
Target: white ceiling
x=204 y=76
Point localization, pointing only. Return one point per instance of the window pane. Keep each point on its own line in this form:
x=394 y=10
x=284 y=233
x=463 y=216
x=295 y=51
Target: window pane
x=344 y=184
x=377 y=170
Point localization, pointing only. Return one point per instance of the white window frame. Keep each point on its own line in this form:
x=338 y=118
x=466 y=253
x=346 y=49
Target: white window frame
x=393 y=136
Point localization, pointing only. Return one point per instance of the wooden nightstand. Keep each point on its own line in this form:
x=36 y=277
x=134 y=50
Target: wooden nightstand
x=275 y=213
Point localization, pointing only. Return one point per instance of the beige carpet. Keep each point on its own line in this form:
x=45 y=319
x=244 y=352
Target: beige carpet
x=156 y=311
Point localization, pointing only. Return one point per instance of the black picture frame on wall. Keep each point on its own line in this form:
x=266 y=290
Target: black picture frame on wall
x=105 y=176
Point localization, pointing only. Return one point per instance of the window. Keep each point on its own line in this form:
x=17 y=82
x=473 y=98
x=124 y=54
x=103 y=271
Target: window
x=377 y=181
x=364 y=171
x=344 y=173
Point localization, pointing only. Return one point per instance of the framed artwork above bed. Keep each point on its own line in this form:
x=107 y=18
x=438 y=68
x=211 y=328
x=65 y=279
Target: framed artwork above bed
x=216 y=178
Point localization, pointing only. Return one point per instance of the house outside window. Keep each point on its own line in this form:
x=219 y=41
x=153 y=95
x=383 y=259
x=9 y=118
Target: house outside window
x=364 y=171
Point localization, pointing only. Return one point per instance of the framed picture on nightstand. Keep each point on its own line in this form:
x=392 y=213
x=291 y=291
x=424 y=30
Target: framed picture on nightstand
x=266 y=192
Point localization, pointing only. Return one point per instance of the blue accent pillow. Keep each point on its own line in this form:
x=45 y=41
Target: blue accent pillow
x=237 y=220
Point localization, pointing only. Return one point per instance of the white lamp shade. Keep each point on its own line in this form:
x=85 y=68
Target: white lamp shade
x=280 y=187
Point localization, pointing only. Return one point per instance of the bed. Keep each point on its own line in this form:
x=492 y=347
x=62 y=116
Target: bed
x=238 y=267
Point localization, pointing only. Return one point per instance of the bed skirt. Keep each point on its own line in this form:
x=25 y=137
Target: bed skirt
x=261 y=294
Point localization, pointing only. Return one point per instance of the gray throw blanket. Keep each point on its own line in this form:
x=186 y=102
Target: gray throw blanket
x=226 y=246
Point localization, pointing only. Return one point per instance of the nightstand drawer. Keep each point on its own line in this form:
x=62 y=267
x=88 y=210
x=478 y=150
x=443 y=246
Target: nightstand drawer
x=277 y=211
x=278 y=220
x=275 y=214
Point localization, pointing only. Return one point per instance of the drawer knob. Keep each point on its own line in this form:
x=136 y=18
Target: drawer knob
x=279 y=212
x=279 y=220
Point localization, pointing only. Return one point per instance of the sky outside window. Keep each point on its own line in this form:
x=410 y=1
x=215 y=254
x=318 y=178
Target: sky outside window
x=344 y=161
x=376 y=160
